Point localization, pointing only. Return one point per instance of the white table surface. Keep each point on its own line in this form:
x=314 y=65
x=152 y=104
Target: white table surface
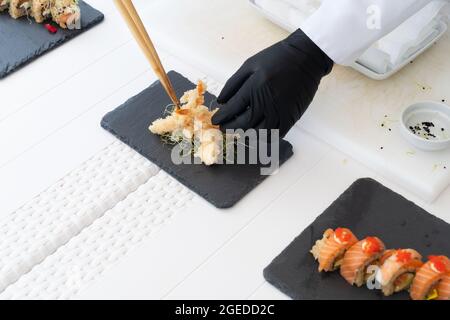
x=201 y=252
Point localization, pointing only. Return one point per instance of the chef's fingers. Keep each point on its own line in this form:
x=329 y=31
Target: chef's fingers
x=264 y=99
x=261 y=125
x=234 y=84
x=249 y=119
x=235 y=105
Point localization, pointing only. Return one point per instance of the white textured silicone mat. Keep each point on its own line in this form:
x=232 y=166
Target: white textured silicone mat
x=36 y=230
x=104 y=243
x=92 y=216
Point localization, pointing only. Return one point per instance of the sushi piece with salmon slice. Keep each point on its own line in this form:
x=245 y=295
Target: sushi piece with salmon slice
x=19 y=8
x=397 y=271
x=330 y=250
x=359 y=257
x=41 y=10
x=4 y=5
x=66 y=13
x=443 y=288
x=430 y=277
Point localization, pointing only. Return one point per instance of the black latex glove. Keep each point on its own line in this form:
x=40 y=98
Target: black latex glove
x=274 y=88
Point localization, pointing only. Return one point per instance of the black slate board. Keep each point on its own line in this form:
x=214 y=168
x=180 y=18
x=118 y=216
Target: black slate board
x=21 y=41
x=221 y=185
x=367 y=208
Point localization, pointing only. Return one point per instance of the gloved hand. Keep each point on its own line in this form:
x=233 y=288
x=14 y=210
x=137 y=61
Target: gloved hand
x=274 y=88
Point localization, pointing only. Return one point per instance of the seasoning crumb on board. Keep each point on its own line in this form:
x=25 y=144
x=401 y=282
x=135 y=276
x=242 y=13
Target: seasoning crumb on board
x=387 y=122
x=439 y=166
x=424 y=87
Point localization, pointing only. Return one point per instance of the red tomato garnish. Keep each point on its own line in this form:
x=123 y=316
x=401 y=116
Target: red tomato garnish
x=371 y=245
x=403 y=256
x=50 y=28
x=343 y=234
x=438 y=263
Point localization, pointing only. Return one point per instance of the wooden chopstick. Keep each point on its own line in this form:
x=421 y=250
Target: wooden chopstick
x=139 y=32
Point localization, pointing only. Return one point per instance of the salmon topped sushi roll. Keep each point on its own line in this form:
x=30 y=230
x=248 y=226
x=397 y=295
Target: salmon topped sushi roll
x=19 y=8
x=360 y=256
x=41 y=9
x=443 y=288
x=397 y=270
x=4 y=5
x=330 y=250
x=429 y=278
x=66 y=13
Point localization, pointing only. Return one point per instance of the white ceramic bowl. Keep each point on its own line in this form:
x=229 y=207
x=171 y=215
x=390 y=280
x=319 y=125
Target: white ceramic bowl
x=415 y=125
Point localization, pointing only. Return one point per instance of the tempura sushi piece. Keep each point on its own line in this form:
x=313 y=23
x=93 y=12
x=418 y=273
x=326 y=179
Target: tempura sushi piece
x=41 y=10
x=19 y=8
x=443 y=288
x=4 y=5
x=210 y=146
x=66 y=13
x=428 y=279
x=359 y=257
x=192 y=122
x=330 y=250
x=397 y=271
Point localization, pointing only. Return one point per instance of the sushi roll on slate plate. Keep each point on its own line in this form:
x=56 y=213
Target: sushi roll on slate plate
x=41 y=9
x=431 y=279
x=4 y=5
x=397 y=270
x=359 y=257
x=19 y=8
x=330 y=250
x=66 y=13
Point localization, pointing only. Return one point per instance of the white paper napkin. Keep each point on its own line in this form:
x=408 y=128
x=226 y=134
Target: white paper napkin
x=412 y=33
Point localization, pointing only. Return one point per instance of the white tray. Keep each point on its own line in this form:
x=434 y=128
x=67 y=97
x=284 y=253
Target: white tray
x=358 y=66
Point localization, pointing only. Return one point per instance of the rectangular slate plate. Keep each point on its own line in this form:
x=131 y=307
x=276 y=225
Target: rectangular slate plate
x=221 y=185
x=22 y=41
x=367 y=208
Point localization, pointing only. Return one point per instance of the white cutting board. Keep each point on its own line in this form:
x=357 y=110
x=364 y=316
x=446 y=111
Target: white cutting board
x=349 y=110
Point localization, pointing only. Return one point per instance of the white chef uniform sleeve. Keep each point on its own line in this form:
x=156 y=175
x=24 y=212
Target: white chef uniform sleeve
x=344 y=29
